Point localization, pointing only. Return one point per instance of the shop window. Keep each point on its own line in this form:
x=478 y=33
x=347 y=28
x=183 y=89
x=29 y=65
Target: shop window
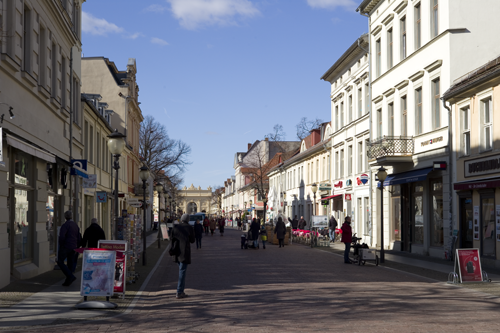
x=396 y=212
x=418 y=213
x=488 y=226
x=437 y=213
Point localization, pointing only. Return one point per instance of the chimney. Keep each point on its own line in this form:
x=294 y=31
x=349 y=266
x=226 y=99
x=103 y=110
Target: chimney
x=249 y=146
x=267 y=139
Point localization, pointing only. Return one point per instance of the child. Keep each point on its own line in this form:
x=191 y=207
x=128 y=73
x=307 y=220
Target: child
x=263 y=236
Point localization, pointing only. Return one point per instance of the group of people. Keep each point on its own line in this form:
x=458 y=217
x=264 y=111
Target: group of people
x=71 y=239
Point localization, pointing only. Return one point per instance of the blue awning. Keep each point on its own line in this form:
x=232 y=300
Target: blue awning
x=407 y=177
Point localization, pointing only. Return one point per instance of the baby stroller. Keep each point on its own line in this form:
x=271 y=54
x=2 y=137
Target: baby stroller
x=361 y=252
x=248 y=242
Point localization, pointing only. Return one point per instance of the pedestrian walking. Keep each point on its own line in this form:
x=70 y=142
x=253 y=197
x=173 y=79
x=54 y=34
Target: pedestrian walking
x=93 y=234
x=222 y=223
x=213 y=223
x=184 y=234
x=69 y=239
x=206 y=225
x=347 y=238
x=332 y=225
x=254 y=230
x=263 y=235
x=198 y=233
x=302 y=223
x=280 y=231
x=294 y=222
x=238 y=223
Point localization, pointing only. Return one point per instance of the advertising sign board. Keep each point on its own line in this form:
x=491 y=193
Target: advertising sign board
x=121 y=262
x=164 y=231
x=98 y=273
x=320 y=221
x=469 y=265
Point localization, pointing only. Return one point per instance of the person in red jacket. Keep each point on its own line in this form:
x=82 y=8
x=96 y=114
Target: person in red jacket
x=347 y=238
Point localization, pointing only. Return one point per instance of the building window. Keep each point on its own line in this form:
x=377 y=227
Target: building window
x=367 y=145
x=91 y=144
x=98 y=151
x=404 y=117
x=402 y=24
x=342 y=114
x=418 y=111
x=350 y=108
x=434 y=18
x=418 y=27
x=349 y=160
x=367 y=98
x=336 y=117
x=417 y=208
x=379 y=123
x=465 y=126
x=486 y=122
x=378 y=50
x=436 y=109
x=437 y=213
x=360 y=102
x=389 y=49
x=86 y=146
x=337 y=160
x=390 y=111
x=342 y=163
x=360 y=157
x=27 y=39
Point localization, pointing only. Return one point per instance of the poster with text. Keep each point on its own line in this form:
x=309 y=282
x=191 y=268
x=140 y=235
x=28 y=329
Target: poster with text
x=469 y=265
x=121 y=261
x=98 y=273
x=476 y=222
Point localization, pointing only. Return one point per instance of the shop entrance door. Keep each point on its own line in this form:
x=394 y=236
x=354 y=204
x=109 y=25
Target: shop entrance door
x=466 y=225
x=405 y=218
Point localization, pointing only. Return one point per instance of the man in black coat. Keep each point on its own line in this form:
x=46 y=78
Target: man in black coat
x=294 y=222
x=93 y=234
x=280 y=231
x=332 y=226
x=302 y=223
x=69 y=240
x=183 y=233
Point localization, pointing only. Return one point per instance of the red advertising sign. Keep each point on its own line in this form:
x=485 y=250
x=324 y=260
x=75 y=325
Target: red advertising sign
x=469 y=265
x=121 y=262
x=347 y=197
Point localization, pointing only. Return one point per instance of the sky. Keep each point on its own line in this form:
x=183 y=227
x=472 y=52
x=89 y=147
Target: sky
x=219 y=74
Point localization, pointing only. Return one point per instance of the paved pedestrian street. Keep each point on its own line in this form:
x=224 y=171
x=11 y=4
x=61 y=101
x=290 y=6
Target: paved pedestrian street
x=294 y=289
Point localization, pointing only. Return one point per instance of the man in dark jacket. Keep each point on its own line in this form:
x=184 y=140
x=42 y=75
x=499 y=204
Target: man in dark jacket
x=222 y=224
x=280 y=231
x=332 y=225
x=93 y=234
x=347 y=238
x=254 y=230
x=69 y=240
x=302 y=223
x=183 y=233
x=294 y=222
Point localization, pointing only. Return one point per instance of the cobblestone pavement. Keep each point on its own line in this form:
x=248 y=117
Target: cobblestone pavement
x=295 y=289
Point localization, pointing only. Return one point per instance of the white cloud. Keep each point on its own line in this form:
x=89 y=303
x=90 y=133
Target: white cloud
x=156 y=8
x=158 y=41
x=136 y=35
x=193 y=14
x=330 y=4
x=97 y=26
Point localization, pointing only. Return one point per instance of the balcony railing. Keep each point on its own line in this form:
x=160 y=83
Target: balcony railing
x=391 y=146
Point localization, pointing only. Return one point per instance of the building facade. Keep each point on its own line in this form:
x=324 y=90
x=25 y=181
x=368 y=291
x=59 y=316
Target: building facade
x=193 y=200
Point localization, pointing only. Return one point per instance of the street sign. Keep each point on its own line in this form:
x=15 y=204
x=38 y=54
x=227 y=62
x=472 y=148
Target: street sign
x=133 y=202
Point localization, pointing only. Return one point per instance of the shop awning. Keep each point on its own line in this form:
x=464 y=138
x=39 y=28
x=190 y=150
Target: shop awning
x=477 y=184
x=30 y=149
x=407 y=177
x=331 y=197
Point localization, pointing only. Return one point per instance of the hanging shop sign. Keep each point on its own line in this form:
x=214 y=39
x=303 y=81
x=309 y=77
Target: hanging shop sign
x=339 y=184
x=348 y=197
x=134 y=202
x=348 y=182
x=469 y=265
x=363 y=178
x=98 y=273
x=79 y=168
x=325 y=187
x=101 y=197
x=90 y=182
x=482 y=166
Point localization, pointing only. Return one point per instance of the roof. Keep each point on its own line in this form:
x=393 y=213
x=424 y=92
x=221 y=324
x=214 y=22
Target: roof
x=367 y=6
x=474 y=79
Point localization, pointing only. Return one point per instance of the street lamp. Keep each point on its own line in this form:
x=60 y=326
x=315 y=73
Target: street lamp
x=382 y=175
x=116 y=144
x=144 y=175
x=314 y=188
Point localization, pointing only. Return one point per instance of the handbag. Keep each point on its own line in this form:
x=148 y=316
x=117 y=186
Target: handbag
x=174 y=248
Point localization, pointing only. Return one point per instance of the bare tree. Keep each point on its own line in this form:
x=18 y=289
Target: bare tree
x=160 y=153
x=304 y=127
x=278 y=134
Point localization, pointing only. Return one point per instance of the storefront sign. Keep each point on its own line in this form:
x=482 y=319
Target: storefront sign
x=431 y=141
x=98 y=273
x=364 y=178
x=90 y=182
x=101 y=197
x=325 y=187
x=348 y=197
x=320 y=221
x=348 y=182
x=339 y=184
x=476 y=222
x=469 y=265
x=482 y=166
x=134 y=202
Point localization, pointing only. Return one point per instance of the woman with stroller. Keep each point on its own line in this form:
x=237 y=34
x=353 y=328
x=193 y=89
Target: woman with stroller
x=213 y=223
x=280 y=231
x=254 y=231
x=198 y=233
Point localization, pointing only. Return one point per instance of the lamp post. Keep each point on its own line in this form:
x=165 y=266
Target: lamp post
x=144 y=175
x=314 y=188
x=382 y=175
x=264 y=200
x=116 y=144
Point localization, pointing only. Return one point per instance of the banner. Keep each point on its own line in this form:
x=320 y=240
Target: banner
x=469 y=265
x=320 y=221
x=98 y=273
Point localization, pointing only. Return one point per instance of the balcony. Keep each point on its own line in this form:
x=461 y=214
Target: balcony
x=390 y=150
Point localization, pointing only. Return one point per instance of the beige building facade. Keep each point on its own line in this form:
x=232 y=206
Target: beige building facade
x=194 y=200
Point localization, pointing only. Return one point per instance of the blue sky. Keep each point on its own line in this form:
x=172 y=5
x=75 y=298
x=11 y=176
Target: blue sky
x=219 y=74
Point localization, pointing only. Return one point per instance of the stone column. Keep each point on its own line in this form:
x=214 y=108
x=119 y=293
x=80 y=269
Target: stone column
x=4 y=221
